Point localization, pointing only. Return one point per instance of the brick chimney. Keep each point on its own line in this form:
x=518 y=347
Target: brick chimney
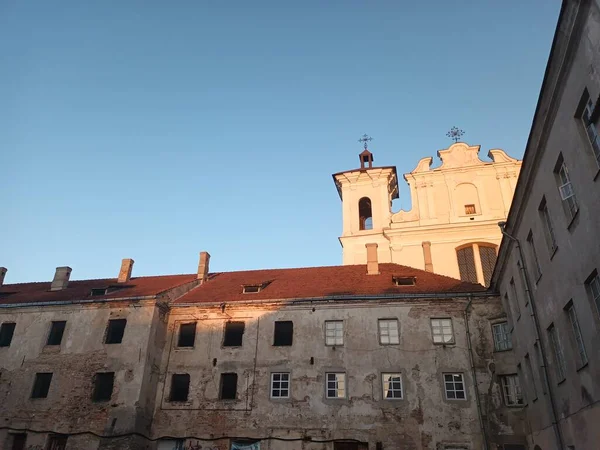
x=372 y=264
x=2 y=274
x=203 y=267
x=125 y=272
x=61 y=278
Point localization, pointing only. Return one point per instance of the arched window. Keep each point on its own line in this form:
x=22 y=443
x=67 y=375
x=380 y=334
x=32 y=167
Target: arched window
x=467 y=262
x=488 y=261
x=365 y=214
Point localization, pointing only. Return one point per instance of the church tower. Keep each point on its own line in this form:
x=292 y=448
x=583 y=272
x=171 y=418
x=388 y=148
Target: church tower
x=366 y=193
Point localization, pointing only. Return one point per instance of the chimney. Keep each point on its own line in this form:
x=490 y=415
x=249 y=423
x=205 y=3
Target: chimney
x=203 y=267
x=125 y=272
x=372 y=264
x=427 y=256
x=2 y=274
x=61 y=278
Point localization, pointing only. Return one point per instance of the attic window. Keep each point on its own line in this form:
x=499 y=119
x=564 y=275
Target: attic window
x=98 y=291
x=254 y=288
x=404 y=281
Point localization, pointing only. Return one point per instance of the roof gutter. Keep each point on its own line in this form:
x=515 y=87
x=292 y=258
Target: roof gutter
x=77 y=302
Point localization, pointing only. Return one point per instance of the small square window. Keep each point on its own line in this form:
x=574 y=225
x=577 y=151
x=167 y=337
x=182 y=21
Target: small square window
x=187 y=335
x=115 y=331
x=7 y=330
x=502 y=337
x=334 y=332
x=284 y=333
x=280 y=385
x=103 y=386
x=180 y=387
x=57 y=330
x=470 y=209
x=336 y=384
x=228 y=389
x=41 y=385
x=442 y=331
x=511 y=389
x=234 y=334
x=392 y=386
x=388 y=331
x=454 y=386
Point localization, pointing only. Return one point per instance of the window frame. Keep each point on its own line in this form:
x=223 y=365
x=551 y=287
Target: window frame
x=385 y=382
x=337 y=383
x=548 y=227
x=576 y=335
x=230 y=331
x=508 y=383
x=588 y=115
x=335 y=330
x=283 y=341
x=389 y=336
x=232 y=376
x=454 y=382
x=433 y=333
x=6 y=337
x=109 y=331
x=506 y=333
x=468 y=257
x=592 y=286
x=560 y=368
x=173 y=386
x=180 y=335
x=272 y=388
x=53 y=340
x=531 y=375
x=570 y=203
x=39 y=390
x=534 y=257
x=96 y=397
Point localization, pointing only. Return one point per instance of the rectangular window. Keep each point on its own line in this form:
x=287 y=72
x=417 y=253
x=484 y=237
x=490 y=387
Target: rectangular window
x=441 y=330
x=57 y=442
x=284 y=333
x=530 y=376
x=502 y=336
x=334 y=332
x=515 y=297
x=187 y=335
x=593 y=287
x=548 y=227
x=234 y=334
x=389 y=331
x=537 y=270
x=57 y=330
x=559 y=359
x=392 y=386
x=454 y=386
x=41 y=385
x=591 y=129
x=470 y=209
x=280 y=385
x=180 y=387
x=103 y=386
x=583 y=359
x=466 y=264
x=7 y=329
x=567 y=193
x=336 y=384
x=228 y=389
x=18 y=441
x=511 y=390
x=115 y=331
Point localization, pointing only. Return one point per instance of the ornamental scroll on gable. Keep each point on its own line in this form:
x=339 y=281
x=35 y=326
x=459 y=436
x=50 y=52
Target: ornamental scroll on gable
x=460 y=155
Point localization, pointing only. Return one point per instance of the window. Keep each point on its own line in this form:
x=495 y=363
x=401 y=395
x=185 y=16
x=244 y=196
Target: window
x=530 y=376
x=470 y=209
x=251 y=288
x=583 y=359
x=57 y=442
x=537 y=270
x=115 y=331
x=392 y=386
x=593 y=286
x=388 y=331
x=559 y=359
x=57 y=330
x=180 y=387
x=404 y=281
x=280 y=385
x=511 y=390
x=466 y=264
x=96 y=292
x=334 y=332
x=187 y=335
x=171 y=444
x=336 y=384
x=228 y=389
x=442 y=331
x=18 y=441
x=234 y=334
x=502 y=336
x=7 y=329
x=487 y=255
x=41 y=385
x=565 y=187
x=590 y=127
x=548 y=228
x=365 y=214
x=515 y=297
x=103 y=386
x=284 y=333
x=454 y=386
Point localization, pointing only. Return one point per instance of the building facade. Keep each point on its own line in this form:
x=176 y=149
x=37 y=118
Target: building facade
x=451 y=228
x=548 y=262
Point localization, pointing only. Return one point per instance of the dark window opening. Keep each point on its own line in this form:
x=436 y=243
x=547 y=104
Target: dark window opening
x=41 y=385
x=187 y=335
x=57 y=330
x=488 y=261
x=98 y=291
x=180 y=387
x=228 y=389
x=470 y=209
x=18 y=441
x=341 y=445
x=115 y=331
x=234 y=333
x=404 y=281
x=466 y=264
x=284 y=333
x=365 y=214
x=6 y=333
x=57 y=442
x=103 y=386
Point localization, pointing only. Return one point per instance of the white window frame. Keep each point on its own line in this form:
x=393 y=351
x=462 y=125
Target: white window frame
x=502 y=336
x=454 y=383
x=334 y=332
x=577 y=336
x=389 y=384
x=511 y=390
x=387 y=331
x=280 y=388
x=339 y=385
x=559 y=357
x=567 y=193
x=438 y=330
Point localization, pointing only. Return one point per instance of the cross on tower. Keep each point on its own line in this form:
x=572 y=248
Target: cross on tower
x=365 y=140
x=455 y=134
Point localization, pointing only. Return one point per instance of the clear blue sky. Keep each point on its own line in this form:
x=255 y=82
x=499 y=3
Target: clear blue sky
x=154 y=130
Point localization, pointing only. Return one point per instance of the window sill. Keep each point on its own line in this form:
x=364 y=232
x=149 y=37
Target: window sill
x=240 y=346
x=583 y=366
x=561 y=381
x=572 y=222
x=184 y=348
x=445 y=344
x=502 y=351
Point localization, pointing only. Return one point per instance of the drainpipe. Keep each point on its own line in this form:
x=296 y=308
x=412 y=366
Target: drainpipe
x=538 y=333
x=474 y=375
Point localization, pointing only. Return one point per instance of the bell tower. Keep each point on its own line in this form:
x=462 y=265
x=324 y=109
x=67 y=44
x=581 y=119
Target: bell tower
x=366 y=193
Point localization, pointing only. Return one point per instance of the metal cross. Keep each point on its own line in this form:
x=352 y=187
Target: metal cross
x=455 y=134
x=365 y=140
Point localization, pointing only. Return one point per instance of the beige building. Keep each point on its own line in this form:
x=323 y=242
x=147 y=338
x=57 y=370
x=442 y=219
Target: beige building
x=549 y=260
x=451 y=228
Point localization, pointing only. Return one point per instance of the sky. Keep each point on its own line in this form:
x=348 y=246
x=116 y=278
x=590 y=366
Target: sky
x=155 y=130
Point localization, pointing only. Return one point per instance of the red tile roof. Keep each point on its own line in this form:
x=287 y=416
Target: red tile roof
x=311 y=282
x=23 y=293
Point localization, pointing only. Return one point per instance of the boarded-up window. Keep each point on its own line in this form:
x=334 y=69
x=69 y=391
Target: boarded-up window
x=466 y=264
x=488 y=261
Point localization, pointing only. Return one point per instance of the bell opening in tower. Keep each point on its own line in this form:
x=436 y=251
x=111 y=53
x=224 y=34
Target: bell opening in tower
x=365 y=214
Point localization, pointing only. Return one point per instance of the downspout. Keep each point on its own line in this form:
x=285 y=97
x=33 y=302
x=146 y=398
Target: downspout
x=538 y=332
x=474 y=375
